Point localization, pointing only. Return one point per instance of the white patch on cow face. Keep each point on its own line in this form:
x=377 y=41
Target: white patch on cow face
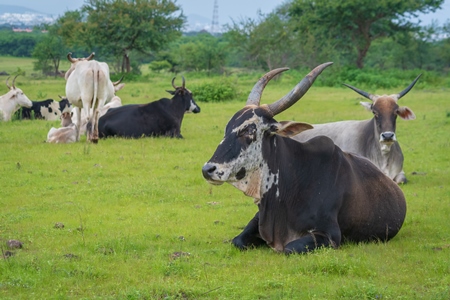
x=247 y=170
x=192 y=107
x=386 y=143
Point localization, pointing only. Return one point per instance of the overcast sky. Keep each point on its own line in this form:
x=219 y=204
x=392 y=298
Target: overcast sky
x=228 y=9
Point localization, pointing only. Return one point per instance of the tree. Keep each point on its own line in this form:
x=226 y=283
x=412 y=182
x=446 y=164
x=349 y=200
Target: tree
x=265 y=42
x=118 y=27
x=48 y=53
x=201 y=52
x=272 y=41
x=356 y=23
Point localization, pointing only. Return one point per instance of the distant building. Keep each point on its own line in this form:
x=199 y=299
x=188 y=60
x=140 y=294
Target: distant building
x=22 y=30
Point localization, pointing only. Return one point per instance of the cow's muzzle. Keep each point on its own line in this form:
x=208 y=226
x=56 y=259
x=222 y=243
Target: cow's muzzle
x=209 y=173
x=387 y=137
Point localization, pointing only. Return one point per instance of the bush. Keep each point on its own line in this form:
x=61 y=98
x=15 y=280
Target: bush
x=216 y=91
x=161 y=65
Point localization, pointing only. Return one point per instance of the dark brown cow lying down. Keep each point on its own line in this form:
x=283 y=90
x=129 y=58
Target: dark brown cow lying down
x=309 y=194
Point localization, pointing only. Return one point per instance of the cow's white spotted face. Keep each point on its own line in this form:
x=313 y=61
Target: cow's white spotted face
x=239 y=159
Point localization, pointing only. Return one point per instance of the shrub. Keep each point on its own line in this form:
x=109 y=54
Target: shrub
x=216 y=91
x=161 y=65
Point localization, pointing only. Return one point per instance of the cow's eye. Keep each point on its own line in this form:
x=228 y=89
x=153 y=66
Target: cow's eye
x=243 y=131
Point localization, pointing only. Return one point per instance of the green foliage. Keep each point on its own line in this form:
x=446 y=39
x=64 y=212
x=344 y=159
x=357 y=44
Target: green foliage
x=117 y=27
x=19 y=44
x=48 y=53
x=355 y=24
x=161 y=65
x=373 y=78
x=199 y=52
x=219 y=90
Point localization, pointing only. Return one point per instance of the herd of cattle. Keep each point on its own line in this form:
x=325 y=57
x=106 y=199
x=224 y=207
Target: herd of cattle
x=314 y=185
x=91 y=103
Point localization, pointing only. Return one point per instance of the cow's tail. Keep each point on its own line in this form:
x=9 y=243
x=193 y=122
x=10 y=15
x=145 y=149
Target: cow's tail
x=96 y=80
x=90 y=128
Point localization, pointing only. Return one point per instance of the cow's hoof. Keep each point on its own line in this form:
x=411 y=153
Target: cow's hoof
x=95 y=141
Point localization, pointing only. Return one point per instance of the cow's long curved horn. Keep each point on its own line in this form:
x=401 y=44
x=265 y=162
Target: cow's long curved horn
x=405 y=91
x=254 y=98
x=184 y=83
x=14 y=87
x=7 y=79
x=362 y=93
x=91 y=56
x=298 y=91
x=173 y=80
x=69 y=57
x=118 y=81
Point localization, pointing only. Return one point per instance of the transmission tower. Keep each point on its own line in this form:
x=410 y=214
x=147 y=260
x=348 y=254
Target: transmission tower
x=215 y=18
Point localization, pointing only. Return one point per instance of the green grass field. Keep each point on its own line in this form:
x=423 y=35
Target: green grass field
x=140 y=222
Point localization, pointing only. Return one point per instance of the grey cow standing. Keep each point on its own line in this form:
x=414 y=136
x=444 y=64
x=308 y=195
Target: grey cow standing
x=375 y=138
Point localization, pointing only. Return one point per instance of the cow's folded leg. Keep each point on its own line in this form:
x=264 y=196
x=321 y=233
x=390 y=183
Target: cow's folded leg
x=250 y=236
x=310 y=242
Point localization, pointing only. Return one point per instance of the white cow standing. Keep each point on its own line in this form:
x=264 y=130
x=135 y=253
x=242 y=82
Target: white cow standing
x=12 y=101
x=88 y=87
x=115 y=102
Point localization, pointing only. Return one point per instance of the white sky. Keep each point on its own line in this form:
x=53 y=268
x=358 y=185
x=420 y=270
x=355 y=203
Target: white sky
x=228 y=9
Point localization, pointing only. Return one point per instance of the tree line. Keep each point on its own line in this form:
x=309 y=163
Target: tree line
x=355 y=34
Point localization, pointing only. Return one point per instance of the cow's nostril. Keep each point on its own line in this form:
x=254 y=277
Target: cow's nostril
x=207 y=170
x=387 y=135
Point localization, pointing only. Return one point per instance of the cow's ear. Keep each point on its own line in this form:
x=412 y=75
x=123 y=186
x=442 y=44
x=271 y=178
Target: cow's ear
x=171 y=92
x=367 y=105
x=289 y=128
x=405 y=113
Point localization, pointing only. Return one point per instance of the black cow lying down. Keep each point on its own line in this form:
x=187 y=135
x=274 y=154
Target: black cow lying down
x=309 y=194
x=49 y=109
x=158 y=118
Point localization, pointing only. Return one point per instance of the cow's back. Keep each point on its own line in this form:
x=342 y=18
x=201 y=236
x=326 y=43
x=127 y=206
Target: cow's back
x=358 y=137
x=374 y=202
x=348 y=135
x=136 y=120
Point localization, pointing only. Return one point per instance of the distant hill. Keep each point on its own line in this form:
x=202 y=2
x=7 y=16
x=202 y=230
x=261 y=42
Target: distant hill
x=22 y=17
x=14 y=9
x=19 y=16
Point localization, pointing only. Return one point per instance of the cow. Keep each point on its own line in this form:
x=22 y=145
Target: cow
x=115 y=102
x=66 y=134
x=49 y=109
x=88 y=86
x=12 y=101
x=309 y=194
x=374 y=138
x=159 y=118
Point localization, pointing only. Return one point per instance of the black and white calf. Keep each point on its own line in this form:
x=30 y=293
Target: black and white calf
x=49 y=109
